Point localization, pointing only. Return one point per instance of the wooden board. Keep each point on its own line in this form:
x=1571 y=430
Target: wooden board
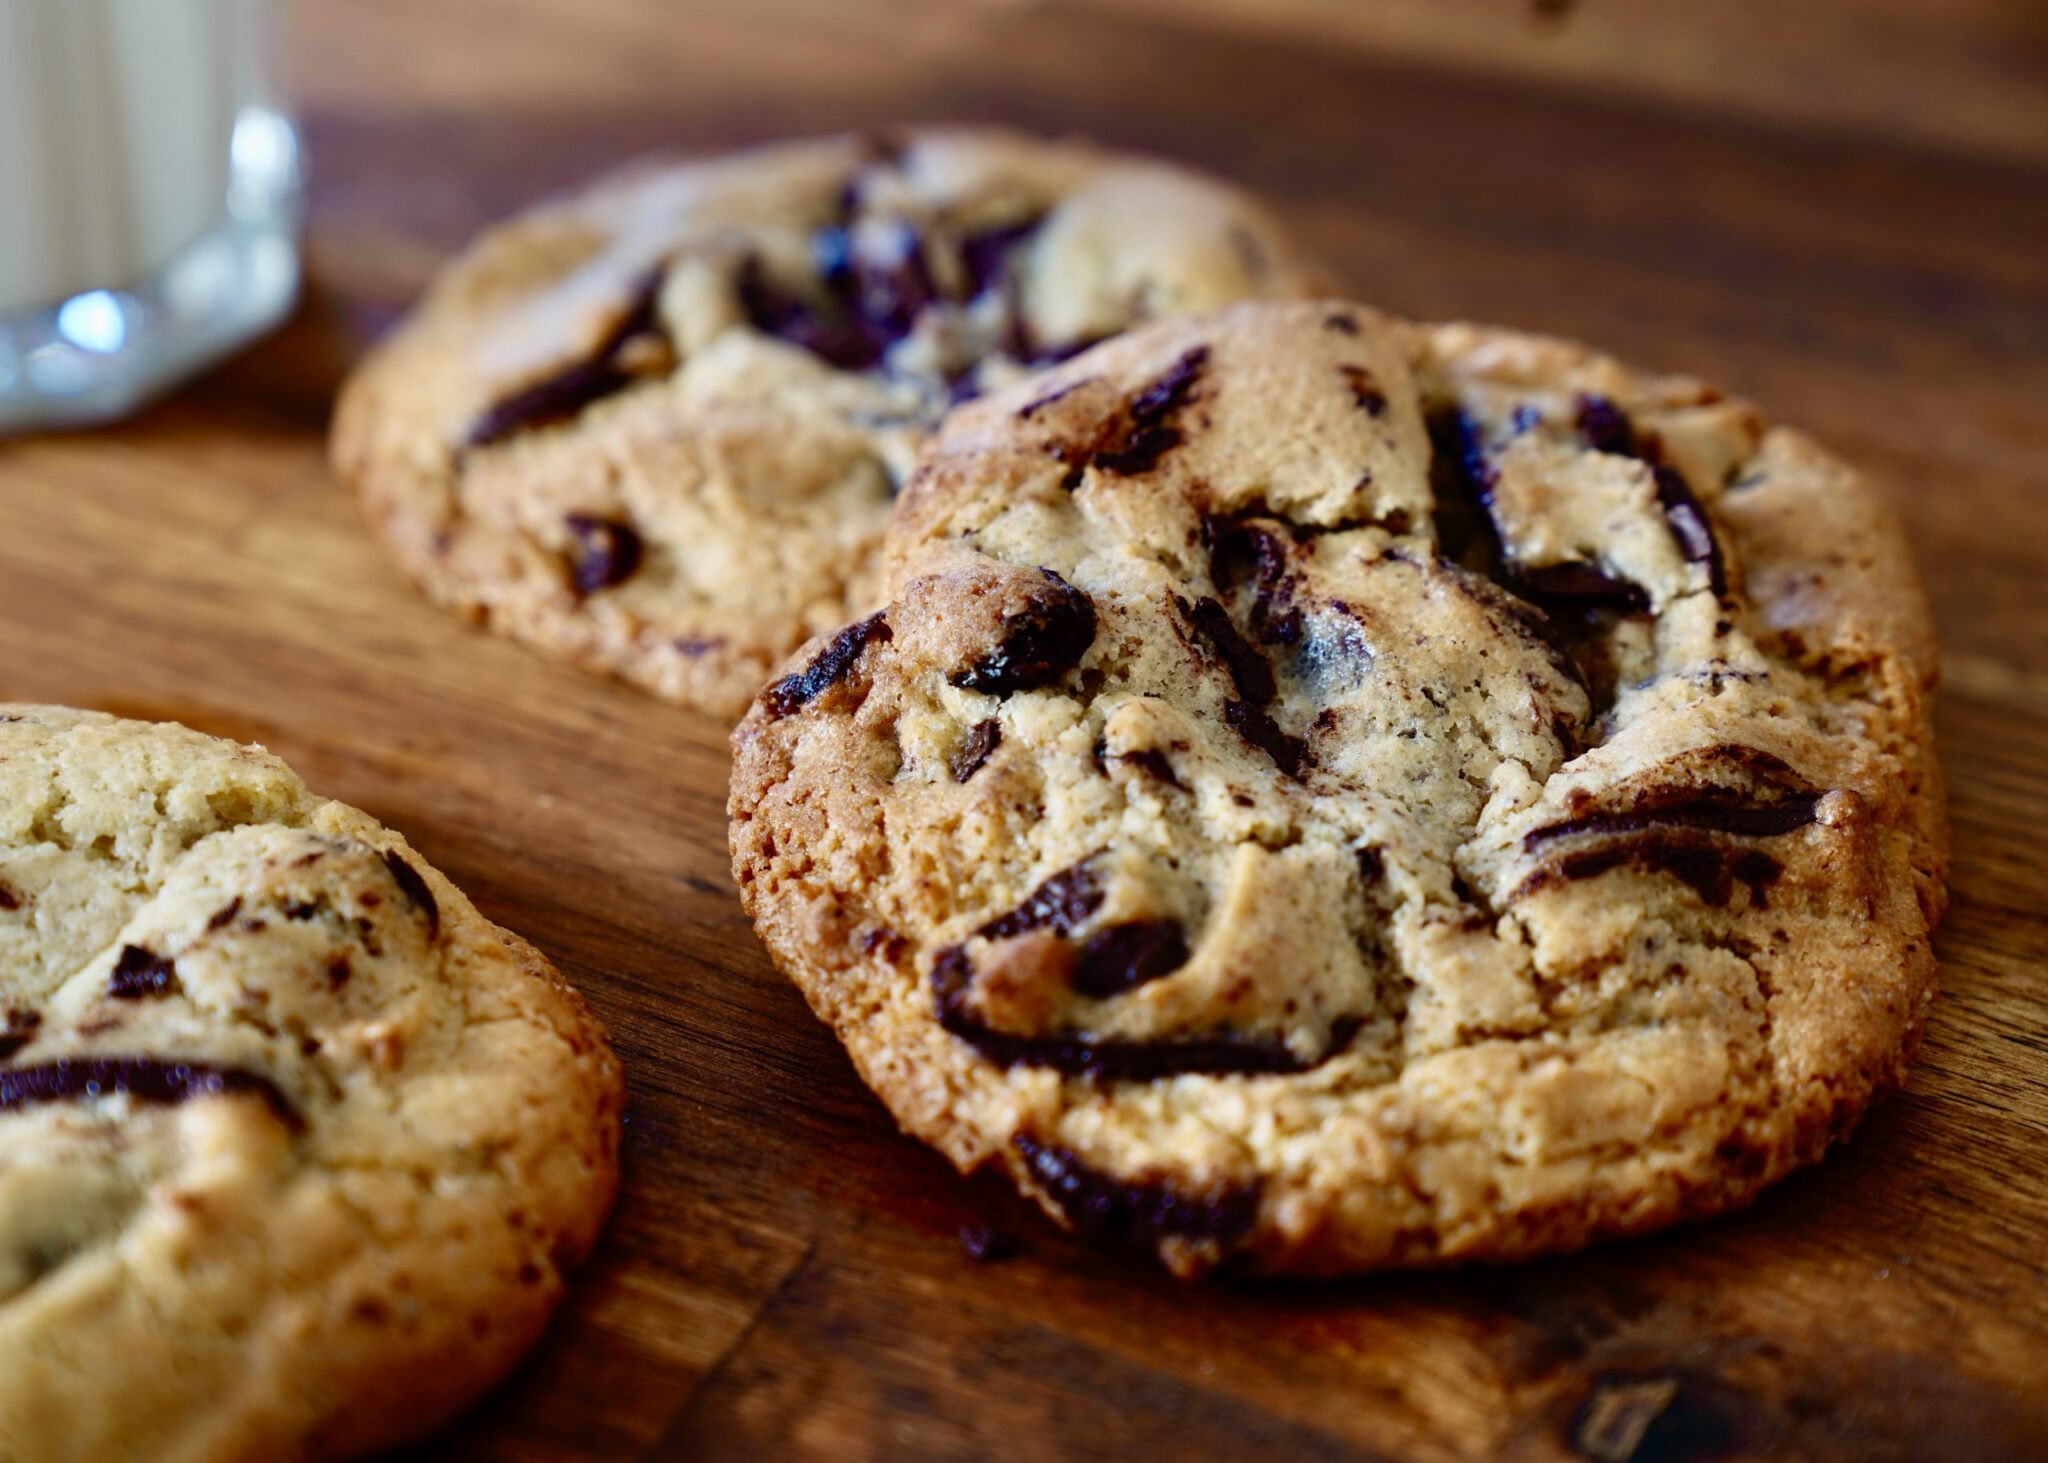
x=783 y=1276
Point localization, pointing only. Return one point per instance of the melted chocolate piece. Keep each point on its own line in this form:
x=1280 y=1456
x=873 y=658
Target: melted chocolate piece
x=1255 y=726
x=1743 y=820
x=1583 y=583
x=984 y=739
x=1688 y=520
x=986 y=256
x=831 y=665
x=1364 y=390
x=1141 y=1213
x=140 y=974
x=1607 y=428
x=1061 y=904
x=1039 y=643
x=146 y=1079
x=890 y=290
x=607 y=552
x=1249 y=669
x=824 y=328
x=19 y=1031
x=1154 y=763
x=413 y=886
x=571 y=389
x=1149 y=431
x=1121 y=957
x=1710 y=869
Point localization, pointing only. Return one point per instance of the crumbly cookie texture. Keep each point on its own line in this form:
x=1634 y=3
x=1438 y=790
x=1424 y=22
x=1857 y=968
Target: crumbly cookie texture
x=1326 y=793
x=654 y=428
x=296 y=1148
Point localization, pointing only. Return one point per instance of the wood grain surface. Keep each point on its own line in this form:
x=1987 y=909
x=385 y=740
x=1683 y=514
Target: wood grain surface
x=1850 y=226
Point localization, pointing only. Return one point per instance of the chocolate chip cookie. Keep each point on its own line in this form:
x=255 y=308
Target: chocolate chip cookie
x=654 y=428
x=1327 y=793
x=296 y=1148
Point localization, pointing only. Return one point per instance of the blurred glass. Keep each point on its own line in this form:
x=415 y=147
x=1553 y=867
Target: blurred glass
x=149 y=198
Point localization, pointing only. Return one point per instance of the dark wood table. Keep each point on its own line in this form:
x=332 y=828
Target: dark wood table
x=1840 y=209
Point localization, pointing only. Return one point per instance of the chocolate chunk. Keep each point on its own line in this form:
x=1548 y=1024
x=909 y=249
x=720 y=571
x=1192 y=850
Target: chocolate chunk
x=1240 y=550
x=569 y=390
x=1154 y=763
x=984 y=739
x=986 y=256
x=18 y=1031
x=1583 y=583
x=1741 y=819
x=145 y=1079
x=1148 y=431
x=139 y=974
x=824 y=327
x=1255 y=726
x=1061 y=904
x=831 y=665
x=9 y=899
x=607 y=552
x=890 y=283
x=223 y=916
x=1364 y=390
x=1372 y=866
x=1249 y=669
x=413 y=886
x=1605 y=426
x=1710 y=869
x=1142 y=1213
x=1121 y=957
x=1039 y=643
x=1687 y=517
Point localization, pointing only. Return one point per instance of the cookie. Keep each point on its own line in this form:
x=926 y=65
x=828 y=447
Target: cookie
x=296 y=1147
x=1326 y=793
x=654 y=428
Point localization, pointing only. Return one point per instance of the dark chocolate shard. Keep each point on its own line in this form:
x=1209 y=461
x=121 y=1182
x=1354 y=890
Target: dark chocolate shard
x=1583 y=583
x=824 y=327
x=1248 y=667
x=1148 y=432
x=986 y=256
x=1061 y=904
x=1140 y=1212
x=986 y=736
x=569 y=390
x=607 y=552
x=1121 y=957
x=1711 y=869
x=413 y=885
x=1687 y=517
x=1255 y=726
x=1607 y=428
x=1154 y=764
x=1710 y=815
x=140 y=974
x=145 y=1079
x=829 y=666
x=18 y=1030
x=1364 y=390
x=1038 y=644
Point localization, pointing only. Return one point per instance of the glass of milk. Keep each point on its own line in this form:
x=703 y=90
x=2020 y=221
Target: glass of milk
x=149 y=199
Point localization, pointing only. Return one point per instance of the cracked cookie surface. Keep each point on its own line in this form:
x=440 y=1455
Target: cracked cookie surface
x=296 y=1148
x=654 y=428
x=1327 y=793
